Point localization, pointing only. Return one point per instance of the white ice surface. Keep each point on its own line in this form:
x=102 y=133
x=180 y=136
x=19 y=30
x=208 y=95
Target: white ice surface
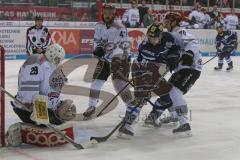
x=214 y=101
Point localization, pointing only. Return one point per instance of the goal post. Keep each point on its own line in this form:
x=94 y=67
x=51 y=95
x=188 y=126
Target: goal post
x=2 y=97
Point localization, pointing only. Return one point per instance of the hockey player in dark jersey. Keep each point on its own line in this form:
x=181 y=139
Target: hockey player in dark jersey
x=226 y=43
x=38 y=37
x=112 y=48
x=157 y=50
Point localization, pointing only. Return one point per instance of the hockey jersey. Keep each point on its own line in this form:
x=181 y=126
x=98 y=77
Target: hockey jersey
x=228 y=39
x=158 y=53
x=37 y=38
x=114 y=40
x=34 y=78
x=187 y=42
x=231 y=21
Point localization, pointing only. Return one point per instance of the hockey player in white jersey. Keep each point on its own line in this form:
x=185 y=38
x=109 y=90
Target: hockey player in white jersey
x=231 y=21
x=39 y=75
x=184 y=76
x=112 y=48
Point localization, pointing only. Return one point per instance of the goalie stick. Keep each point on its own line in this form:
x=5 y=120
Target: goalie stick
x=58 y=132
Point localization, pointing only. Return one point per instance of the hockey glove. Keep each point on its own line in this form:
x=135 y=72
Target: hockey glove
x=187 y=58
x=172 y=61
x=99 y=52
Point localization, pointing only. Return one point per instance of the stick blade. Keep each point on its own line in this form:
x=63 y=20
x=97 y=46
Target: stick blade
x=89 y=144
x=99 y=139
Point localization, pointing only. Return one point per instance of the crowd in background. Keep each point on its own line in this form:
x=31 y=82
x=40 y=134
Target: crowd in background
x=198 y=18
x=141 y=13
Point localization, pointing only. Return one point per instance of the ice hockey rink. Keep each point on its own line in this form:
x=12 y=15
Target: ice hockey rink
x=214 y=102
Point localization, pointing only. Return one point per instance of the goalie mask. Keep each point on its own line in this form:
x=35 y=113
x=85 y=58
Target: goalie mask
x=55 y=54
x=108 y=14
x=154 y=33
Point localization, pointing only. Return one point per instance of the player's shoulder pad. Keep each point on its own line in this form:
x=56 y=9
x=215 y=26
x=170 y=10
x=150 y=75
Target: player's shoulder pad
x=118 y=25
x=45 y=29
x=167 y=36
x=99 y=25
x=30 y=28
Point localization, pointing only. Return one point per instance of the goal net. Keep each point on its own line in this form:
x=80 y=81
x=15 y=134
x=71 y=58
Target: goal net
x=2 y=99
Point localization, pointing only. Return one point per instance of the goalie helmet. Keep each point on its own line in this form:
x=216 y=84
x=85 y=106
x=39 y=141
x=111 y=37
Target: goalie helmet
x=55 y=54
x=109 y=13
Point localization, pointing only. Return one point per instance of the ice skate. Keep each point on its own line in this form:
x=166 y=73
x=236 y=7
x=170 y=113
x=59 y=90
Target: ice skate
x=184 y=129
x=218 y=68
x=89 y=112
x=152 y=120
x=169 y=121
x=125 y=132
x=229 y=68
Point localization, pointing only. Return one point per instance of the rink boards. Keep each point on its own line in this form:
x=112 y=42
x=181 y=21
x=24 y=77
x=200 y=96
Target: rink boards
x=79 y=41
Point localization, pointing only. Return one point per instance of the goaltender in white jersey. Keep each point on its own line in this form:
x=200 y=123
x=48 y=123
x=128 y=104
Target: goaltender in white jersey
x=41 y=76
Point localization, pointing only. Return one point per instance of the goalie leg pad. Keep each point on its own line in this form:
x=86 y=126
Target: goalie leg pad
x=66 y=110
x=44 y=137
x=14 y=137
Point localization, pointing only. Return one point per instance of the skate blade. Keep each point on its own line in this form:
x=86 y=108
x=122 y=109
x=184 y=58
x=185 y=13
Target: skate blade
x=170 y=125
x=229 y=70
x=124 y=136
x=151 y=126
x=183 y=134
x=148 y=125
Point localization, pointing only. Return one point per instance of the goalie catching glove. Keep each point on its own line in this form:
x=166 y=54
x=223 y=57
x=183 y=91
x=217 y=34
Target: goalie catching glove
x=66 y=110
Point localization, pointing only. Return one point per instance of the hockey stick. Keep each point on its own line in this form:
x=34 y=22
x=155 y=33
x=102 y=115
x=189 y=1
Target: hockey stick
x=105 y=138
x=100 y=113
x=210 y=59
x=57 y=131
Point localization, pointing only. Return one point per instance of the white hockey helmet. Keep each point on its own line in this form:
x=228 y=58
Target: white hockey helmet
x=55 y=54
